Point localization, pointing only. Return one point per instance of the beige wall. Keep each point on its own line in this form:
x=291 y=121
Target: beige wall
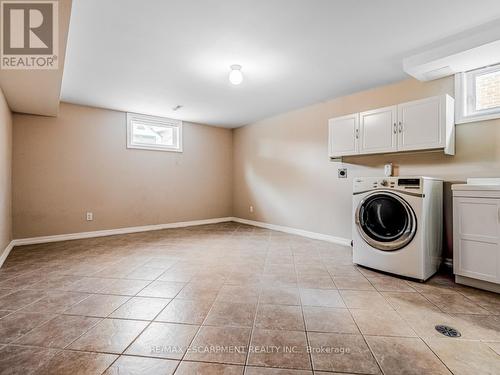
x=5 y=174
x=78 y=162
x=281 y=165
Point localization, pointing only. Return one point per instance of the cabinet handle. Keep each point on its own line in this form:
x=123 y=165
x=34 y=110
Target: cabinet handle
x=395 y=128
x=400 y=127
x=357 y=133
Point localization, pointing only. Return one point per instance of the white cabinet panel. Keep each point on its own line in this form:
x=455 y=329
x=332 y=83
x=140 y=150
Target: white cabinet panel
x=378 y=130
x=421 y=124
x=478 y=260
x=477 y=238
x=343 y=134
x=426 y=124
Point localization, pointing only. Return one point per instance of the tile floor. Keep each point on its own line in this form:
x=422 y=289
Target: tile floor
x=232 y=299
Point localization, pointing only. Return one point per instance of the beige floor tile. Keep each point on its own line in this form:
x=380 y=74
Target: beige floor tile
x=220 y=344
x=478 y=327
x=198 y=292
x=145 y=273
x=404 y=355
x=275 y=371
x=279 y=317
x=487 y=300
x=321 y=297
x=316 y=282
x=410 y=302
x=88 y=285
x=56 y=302
x=353 y=283
x=125 y=287
x=284 y=349
x=71 y=362
x=142 y=308
x=199 y=368
x=99 y=305
x=455 y=303
x=163 y=340
x=24 y=360
x=17 y=324
x=495 y=346
x=161 y=289
x=329 y=319
x=129 y=365
x=280 y=296
x=342 y=353
x=424 y=323
x=361 y=299
x=110 y=336
x=391 y=284
x=59 y=332
x=465 y=357
x=381 y=323
x=231 y=314
x=185 y=311
x=239 y=294
x=20 y=299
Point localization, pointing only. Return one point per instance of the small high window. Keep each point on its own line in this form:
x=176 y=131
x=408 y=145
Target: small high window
x=477 y=94
x=153 y=133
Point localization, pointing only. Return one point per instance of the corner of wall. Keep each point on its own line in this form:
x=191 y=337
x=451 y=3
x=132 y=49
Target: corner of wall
x=5 y=178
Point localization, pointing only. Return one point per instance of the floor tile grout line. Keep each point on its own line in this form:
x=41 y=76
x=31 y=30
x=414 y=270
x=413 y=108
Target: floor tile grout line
x=304 y=318
x=146 y=327
x=254 y=319
x=362 y=335
x=198 y=330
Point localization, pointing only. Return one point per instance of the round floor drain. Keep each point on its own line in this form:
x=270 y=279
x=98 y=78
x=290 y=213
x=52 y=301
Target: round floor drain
x=447 y=331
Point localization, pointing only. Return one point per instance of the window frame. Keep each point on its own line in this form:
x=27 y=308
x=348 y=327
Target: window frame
x=465 y=97
x=156 y=121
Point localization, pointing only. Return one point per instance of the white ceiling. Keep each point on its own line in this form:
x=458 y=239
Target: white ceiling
x=149 y=56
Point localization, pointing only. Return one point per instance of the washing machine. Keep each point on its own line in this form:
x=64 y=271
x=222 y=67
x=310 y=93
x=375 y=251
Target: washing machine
x=398 y=225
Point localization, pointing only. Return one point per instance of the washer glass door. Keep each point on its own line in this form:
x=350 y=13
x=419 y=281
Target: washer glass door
x=386 y=221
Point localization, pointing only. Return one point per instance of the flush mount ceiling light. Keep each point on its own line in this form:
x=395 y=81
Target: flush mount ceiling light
x=236 y=76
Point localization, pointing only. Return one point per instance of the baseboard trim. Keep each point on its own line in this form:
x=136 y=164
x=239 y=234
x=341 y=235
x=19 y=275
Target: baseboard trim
x=298 y=232
x=114 y=232
x=6 y=252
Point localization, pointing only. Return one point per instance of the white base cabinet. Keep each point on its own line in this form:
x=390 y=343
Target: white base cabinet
x=476 y=233
x=426 y=124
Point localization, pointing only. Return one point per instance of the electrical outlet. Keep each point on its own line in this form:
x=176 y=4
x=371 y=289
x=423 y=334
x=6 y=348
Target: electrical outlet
x=90 y=216
x=342 y=172
x=251 y=209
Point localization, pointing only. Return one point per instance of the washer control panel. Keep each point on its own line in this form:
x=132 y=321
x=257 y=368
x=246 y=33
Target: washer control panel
x=397 y=183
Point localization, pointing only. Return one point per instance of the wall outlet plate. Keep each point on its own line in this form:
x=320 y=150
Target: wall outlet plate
x=90 y=216
x=342 y=172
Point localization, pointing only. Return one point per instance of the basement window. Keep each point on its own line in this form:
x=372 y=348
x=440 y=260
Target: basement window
x=153 y=133
x=477 y=94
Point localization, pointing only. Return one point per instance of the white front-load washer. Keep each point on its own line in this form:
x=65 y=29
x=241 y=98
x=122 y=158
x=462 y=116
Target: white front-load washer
x=398 y=224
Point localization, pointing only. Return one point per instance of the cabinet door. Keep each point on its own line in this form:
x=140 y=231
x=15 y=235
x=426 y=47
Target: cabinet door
x=421 y=124
x=378 y=130
x=476 y=244
x=343 y=133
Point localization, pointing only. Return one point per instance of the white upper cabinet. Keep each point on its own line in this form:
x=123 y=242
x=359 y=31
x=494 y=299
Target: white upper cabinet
x=343 y=135
x=426 y=124
x=378 y=130
x=420 y=125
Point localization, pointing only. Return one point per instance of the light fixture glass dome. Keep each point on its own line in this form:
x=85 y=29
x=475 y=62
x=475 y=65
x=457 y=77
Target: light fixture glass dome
x=236 y=76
